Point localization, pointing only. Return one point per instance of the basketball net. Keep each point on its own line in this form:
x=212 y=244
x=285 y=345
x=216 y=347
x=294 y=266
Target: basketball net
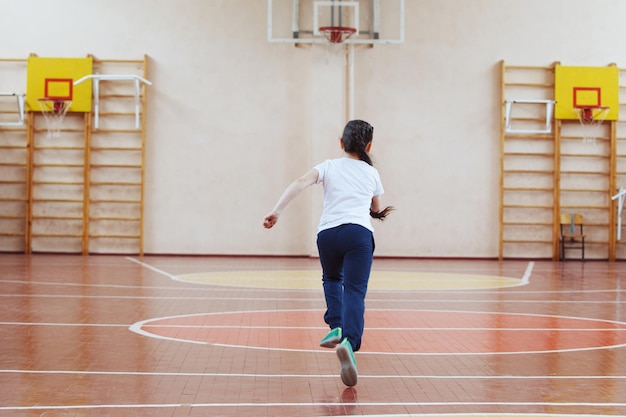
x=54 y=111
x=334 y=47
x=590 y=118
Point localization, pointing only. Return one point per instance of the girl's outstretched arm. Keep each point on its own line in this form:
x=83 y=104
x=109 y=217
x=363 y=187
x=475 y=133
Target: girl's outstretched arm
x=289 y=194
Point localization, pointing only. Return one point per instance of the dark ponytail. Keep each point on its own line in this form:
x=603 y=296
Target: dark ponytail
x=381 y=215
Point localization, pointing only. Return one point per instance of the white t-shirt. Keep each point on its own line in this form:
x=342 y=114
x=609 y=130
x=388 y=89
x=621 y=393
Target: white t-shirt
x=349 y=185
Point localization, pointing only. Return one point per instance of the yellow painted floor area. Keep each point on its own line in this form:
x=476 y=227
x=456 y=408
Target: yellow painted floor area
x=379 y=280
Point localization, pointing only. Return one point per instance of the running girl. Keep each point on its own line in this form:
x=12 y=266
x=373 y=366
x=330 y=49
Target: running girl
x=345 y=241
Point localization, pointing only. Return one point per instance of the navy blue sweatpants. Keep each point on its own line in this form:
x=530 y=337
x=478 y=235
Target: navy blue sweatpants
x=346 y=254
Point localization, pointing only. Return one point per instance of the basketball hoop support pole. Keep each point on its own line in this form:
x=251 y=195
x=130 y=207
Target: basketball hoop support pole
x=620 y=196
x=549 y=111
x=20 y=109
x=350 y=81
x=137 y=80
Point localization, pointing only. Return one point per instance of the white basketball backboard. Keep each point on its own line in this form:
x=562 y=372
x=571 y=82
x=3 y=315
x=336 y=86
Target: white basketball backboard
x=299 y=21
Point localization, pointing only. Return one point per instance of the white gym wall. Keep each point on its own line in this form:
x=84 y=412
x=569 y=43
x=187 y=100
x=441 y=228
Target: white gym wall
x=232 y=118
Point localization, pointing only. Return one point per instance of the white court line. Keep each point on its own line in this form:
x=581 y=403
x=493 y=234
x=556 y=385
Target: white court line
x=333 y=376
x=256 y=290
x=411 y=310
x=153 y=287
x=394 y=329
x=83 y=285
x=312 y=328
x=309 y=299
x=326 y=404
x=527 y=273
x=142 y=328
x=152 y=268
x=19 y=323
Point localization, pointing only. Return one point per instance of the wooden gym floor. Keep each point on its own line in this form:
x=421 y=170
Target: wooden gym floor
x=238 y=336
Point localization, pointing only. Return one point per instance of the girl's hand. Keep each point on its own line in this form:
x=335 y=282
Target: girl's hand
x=270 y=220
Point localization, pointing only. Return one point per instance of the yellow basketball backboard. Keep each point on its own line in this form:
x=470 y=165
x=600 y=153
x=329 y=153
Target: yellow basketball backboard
x=54 y=77
x=582 y=87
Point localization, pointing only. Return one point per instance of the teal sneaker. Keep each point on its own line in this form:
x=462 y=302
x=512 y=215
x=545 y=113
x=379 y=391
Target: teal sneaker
x=348 y=363
x=332 y=338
